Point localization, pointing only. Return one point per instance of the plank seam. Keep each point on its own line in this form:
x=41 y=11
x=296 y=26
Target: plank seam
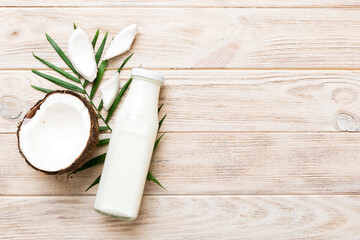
x=238 y=132
x=189 y=7
x=184 y=195
x=204 y=69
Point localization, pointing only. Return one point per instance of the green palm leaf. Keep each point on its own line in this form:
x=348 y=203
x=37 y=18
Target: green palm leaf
x=160 y=107
x=95 y=161
x=59 y=82
x=61 y=54
x=103 y=128
x=161 y=121
x=158 y=141
x=117 y=100
x=93 y=42
x=57 y=69
x=153 y=178
x=103 y=141
x=97 y=80
x=101 y=104
x=94 y=183
x=42 y=89
x=101 y=49
x=124 y=62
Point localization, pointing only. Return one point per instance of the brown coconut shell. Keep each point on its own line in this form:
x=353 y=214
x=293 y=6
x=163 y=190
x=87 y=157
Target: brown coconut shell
x=90 y=146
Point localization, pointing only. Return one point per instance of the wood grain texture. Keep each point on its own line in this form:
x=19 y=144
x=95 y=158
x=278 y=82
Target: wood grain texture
x=255 y=146
x=183 y=3
x=208 y=163
x=218 y=100
x=190 y=38
x=190 y=217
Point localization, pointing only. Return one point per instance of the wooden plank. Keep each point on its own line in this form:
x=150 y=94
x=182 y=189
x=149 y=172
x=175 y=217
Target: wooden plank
x=208 y=163
x=189 y=38
x=231 y=100
x=183 y=3
x=186 y=217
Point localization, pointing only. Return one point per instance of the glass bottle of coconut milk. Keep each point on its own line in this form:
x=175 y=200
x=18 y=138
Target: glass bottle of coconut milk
x=130 y=149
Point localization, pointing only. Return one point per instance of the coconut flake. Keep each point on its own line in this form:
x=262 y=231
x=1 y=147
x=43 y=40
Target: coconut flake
x=81 y=54
x=57 y=134
x=121 y=42
x=109 y=90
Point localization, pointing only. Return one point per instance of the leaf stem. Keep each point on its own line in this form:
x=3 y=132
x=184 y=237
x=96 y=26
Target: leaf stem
x=96 y=109
x=92 y=103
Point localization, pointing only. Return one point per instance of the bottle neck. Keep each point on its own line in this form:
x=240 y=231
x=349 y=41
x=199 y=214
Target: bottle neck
x=143 y=96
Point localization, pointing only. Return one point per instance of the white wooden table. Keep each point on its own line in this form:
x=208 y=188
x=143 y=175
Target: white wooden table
x=259 y=94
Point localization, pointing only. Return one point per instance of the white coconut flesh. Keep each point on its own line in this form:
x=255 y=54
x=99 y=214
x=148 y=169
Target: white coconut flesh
x=109 y=90
x=121 y=42
x=57 y=134
x=81 y=54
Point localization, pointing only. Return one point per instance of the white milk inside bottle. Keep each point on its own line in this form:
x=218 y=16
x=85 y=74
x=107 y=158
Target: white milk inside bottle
x=131 y=145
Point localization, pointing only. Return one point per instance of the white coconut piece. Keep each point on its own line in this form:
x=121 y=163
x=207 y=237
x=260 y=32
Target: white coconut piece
x=81 y=54
x=58 y=133
x=121 y=42
x=109 y=90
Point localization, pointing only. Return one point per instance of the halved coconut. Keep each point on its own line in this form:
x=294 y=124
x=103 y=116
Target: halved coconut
x=59 y=133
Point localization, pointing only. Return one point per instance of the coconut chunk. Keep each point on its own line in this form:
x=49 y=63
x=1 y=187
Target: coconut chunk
x=121 y=42
x=58 y=133
x=109 y=90
x=81 y=54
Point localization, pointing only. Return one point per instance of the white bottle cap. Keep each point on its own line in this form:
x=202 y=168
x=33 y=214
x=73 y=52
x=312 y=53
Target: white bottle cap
x=152 y=75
